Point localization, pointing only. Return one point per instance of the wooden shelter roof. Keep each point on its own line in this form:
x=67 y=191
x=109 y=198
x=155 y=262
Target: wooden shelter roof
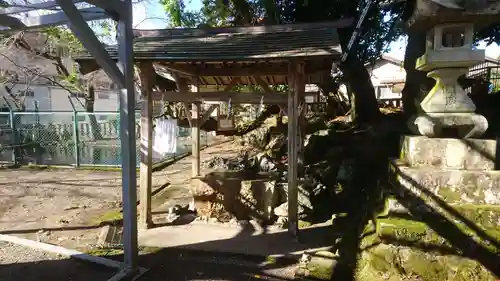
x=218 y=54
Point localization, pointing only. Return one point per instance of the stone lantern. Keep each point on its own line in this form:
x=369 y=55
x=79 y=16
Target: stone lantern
x=447 y=111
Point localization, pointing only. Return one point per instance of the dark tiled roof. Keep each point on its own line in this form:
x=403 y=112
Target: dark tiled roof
x=236 y=43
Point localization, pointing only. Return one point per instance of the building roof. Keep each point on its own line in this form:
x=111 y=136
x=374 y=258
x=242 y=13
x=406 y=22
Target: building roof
x=235 y=43
x=216 y=55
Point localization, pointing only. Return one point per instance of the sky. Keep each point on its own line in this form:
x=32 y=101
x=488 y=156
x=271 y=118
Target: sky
x=149 y=14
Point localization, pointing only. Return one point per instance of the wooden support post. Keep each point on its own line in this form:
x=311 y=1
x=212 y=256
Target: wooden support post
x=147 y=75
x=195 y=131
x=194 y=120
x=292 y=152
x=295 y=141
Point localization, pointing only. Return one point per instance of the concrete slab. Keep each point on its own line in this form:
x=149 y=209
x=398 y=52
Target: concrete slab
x=443 y=153
x=247 y=240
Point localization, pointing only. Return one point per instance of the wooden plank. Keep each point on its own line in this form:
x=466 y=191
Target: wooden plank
x=185 y=105
x=247 y=98
x=239 y=70
x=207 y=114
x=182 y=86
x=297 y=88
x=263 y=84
x=231 y=84
x=147 y=75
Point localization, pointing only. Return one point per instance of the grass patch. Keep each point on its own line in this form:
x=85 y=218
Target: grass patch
x=110 y=217
x=105 y=252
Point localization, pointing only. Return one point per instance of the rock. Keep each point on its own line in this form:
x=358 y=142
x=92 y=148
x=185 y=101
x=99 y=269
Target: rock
x=282 y=210
x=304 y=260
x=345 y=171
x=266 y=164
x=243 y=223
x=303 y=196
x=281 y=222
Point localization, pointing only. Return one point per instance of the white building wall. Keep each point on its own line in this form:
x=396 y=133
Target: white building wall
x=383 y=75
x=385 y=71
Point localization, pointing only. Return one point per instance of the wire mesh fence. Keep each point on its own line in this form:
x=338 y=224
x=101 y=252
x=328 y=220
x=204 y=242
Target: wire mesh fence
x=73 y=139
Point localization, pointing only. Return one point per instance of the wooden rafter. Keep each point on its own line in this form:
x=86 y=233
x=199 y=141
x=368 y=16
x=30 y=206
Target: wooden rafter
x=263 y=84
x=238 y=70
x=241 y=98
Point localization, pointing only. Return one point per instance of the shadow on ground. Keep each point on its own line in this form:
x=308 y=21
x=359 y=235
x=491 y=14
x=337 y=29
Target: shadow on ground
x=345 y=236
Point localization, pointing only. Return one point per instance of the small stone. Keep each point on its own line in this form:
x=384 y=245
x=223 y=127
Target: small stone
x=282 y=210
x=243 y=223
x=304 y=260
x=282 y=221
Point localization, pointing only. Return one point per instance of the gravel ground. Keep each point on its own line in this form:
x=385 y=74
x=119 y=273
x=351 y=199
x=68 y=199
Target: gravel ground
x=19 y=263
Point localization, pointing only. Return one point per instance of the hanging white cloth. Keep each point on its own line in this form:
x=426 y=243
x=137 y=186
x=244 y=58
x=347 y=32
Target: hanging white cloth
x=165 y=136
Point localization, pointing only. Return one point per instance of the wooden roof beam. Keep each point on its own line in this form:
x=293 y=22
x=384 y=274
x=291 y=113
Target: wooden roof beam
x=263 y=84
x=246 y=98
x=239 y=71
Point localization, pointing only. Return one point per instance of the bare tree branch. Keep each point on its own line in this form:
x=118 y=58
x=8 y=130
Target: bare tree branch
x=37 y=74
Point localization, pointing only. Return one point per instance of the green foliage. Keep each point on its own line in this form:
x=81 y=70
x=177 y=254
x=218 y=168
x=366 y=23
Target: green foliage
x=178 y=15
x=62 y=39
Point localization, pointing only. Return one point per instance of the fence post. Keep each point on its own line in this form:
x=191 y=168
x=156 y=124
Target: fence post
x=76 y=139
x=14 y=133
x=14 y=136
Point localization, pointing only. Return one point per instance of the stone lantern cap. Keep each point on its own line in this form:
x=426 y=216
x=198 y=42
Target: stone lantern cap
x=429 y=13
x=450 y=45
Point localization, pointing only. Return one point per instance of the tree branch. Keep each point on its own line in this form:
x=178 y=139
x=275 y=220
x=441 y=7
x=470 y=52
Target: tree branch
x=34 y=72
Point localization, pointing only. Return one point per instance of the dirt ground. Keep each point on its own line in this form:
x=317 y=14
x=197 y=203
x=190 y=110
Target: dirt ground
x=63 y=206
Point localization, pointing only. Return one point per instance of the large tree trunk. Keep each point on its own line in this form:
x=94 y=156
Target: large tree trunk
x=365 y=105
x=95 y=129
x=417 y=83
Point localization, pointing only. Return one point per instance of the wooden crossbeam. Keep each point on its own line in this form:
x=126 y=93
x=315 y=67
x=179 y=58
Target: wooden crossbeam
x=246 y=98
x=263 y=84
x=239 y=70
x=39 y=21
x=207 y=113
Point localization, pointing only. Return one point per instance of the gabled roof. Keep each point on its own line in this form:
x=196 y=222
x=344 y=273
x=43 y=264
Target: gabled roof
x=236 y=43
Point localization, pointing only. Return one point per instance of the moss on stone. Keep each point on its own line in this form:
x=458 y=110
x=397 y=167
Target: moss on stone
x=304 y=224
x=413 y=231
x=485 y=216
x=394 y=263
x=449 y=195
x=402 y=229
x=423 y=265
x=321 y=268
